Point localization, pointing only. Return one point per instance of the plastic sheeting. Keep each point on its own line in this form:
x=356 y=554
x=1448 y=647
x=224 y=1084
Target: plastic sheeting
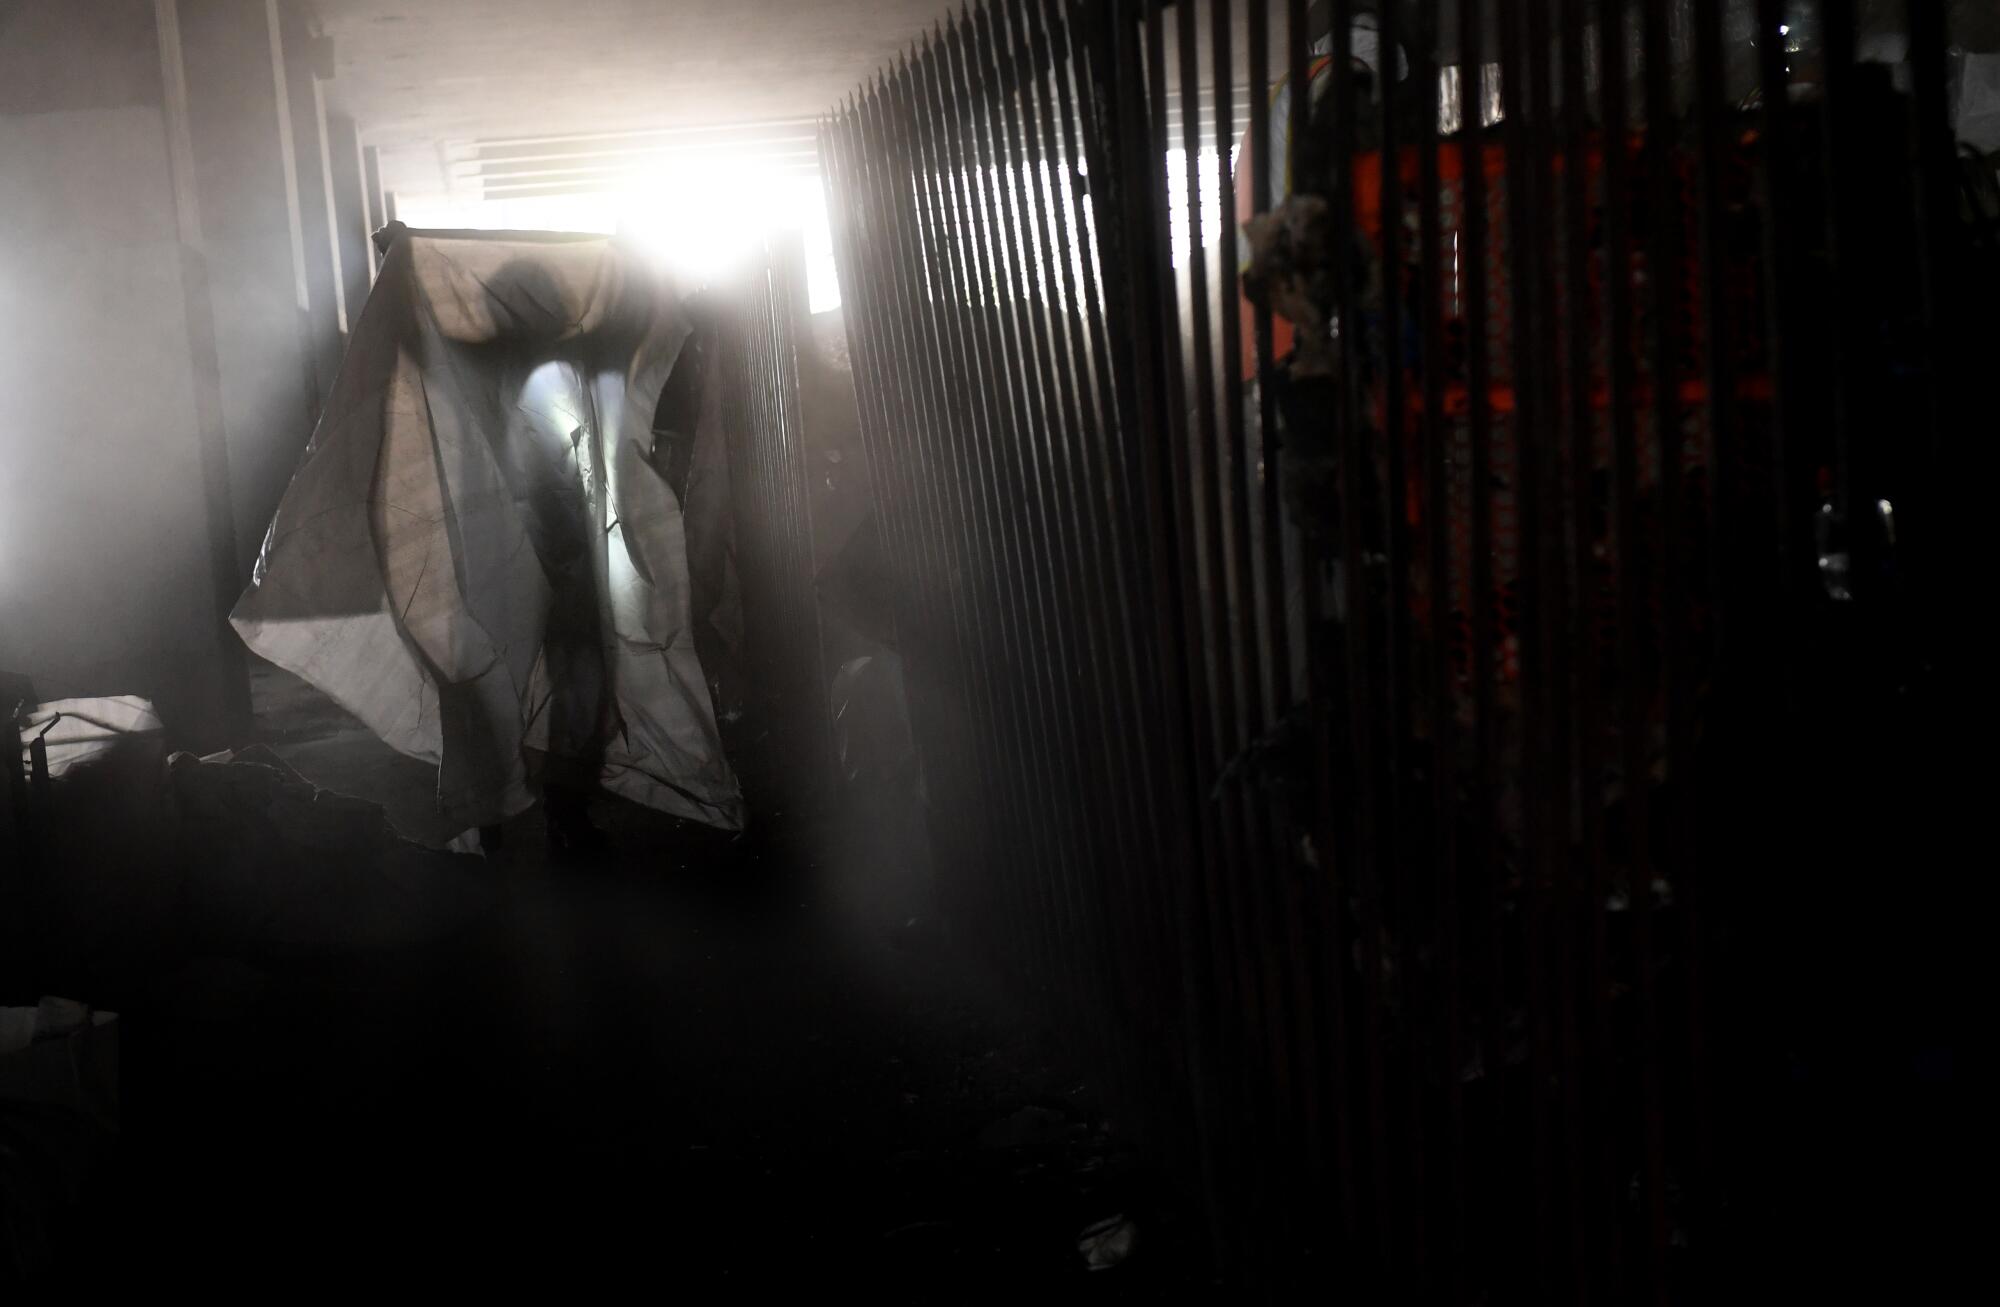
x=78 y=732
x=1977 y=112
x=481 y=556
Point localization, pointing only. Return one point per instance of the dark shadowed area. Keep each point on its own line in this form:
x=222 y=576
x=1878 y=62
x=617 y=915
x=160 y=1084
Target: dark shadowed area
x=702 y=1063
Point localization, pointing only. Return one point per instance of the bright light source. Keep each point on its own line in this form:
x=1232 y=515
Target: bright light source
x=699 y=219
x=704 y=219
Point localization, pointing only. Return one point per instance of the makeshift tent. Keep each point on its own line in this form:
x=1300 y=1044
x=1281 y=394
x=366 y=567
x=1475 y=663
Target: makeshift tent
x=481 y=555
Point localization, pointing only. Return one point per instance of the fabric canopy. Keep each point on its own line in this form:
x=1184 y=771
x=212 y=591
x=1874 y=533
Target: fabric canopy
x=481 y=555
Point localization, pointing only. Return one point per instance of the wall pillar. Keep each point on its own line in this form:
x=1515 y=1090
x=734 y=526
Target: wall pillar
x=350 y=214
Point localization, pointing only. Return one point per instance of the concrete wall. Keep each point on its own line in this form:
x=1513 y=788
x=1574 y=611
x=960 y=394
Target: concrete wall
x=102 y=515
x=127 y=351
x=307 y=113
x=350 y=213
x=263 y=323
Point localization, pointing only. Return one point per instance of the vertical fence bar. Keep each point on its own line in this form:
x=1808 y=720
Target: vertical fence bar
x=1837 y=105
x=1546 y=540
x=1119 y=525
x=1779 y=203
x=1356 y=866
x=1936 y=204
x=1444 y=1065
x=1582 y=891
x=1525 y=154
x=1211 y=652
x=808 y=714
x=1285 y=943
x=1482 y=664
x=1667 y=573
x=1002 y=581
x=859 y=289
x=1219 y=988
x=1005 y=437
x=1101 y=844
x=1320 y=910
x=976 y=626
x=1717 y=361
x=1125 y=231
x=1136 y=243
x=1629 y=549
x=1247 y=634
x=1034 y=459
x=1117 y=770
x=949 y=681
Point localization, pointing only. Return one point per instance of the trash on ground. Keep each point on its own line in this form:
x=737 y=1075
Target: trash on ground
x=1108 y=1242
x=77 y=732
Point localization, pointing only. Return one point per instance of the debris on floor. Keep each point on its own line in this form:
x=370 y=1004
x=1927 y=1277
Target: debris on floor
x=79 y=732
x=1106 y=1243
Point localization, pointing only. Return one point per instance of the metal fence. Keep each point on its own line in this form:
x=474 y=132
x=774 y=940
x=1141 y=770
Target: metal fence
x=1383 y=732
x=780 y=741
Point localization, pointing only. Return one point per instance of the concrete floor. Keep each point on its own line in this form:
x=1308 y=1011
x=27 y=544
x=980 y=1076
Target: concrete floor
x=704 y=1062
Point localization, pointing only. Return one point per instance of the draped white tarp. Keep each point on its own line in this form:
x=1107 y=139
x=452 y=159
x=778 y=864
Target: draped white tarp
x=480 y=555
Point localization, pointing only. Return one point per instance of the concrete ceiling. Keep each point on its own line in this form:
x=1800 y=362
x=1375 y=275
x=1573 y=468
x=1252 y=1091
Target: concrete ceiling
x=420 y=76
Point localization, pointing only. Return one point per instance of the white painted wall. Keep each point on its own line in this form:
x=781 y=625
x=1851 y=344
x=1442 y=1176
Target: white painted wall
x=104 y=586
